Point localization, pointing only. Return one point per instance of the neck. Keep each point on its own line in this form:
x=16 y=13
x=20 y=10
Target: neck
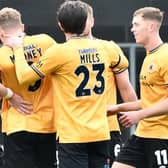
x=153 y=43
x=69 y=36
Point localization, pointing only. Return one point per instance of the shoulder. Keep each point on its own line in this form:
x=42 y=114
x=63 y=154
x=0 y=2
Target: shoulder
x=56 y=48
x=41 y=40
x=5 y=53
x=160 y=56
x=109 y=44
x=163 y=52
x=102 y=41
x=5 y=50
x=39 y=37
x=111 y=47
x=164 y=48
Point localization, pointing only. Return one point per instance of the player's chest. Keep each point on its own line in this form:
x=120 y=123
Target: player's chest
x=150 y=72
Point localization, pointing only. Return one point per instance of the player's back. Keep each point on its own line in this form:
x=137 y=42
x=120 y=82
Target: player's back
x=81 y=70
x=38 y=93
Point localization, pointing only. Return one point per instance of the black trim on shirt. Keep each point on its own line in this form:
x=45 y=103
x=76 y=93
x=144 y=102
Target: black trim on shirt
x=37 y=71
x=120 y=71
x=156 y=48
x=117 y=63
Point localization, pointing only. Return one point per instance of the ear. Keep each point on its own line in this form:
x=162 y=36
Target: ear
x=152 y=27
x=92 y=22
x=2 y=35
x=60 y=26
x=1 y=32
x=23 y=27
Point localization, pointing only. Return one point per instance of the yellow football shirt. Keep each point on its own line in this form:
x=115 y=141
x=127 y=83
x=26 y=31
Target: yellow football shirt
x=153 y=82
x=79 y=69
x=39 y=92
x=111 y=89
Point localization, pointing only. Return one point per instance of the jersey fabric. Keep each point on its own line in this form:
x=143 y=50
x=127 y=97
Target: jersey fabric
x=112 y=91
x=79 y=71
x=115 y=140
x=153 y=82
x=39 y=93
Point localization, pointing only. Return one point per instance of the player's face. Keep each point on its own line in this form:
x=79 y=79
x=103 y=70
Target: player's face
x=140 y=28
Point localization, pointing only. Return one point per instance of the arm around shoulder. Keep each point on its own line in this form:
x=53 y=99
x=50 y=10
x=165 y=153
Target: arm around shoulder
x=129 y=106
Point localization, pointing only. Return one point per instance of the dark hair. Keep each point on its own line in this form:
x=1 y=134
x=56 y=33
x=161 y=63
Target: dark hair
x=72 y=16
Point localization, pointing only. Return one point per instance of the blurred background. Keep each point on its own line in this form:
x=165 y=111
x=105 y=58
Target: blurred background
x=112 y=17
x=112 y=22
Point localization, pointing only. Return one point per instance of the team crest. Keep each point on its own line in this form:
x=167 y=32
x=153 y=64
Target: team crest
x=151 y=68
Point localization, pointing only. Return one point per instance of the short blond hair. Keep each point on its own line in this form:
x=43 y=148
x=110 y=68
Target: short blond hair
x=150 y=13
x=9 y=18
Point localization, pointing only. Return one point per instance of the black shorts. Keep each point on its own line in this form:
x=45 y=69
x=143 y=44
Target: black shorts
x=114 y=145
x=83 y=155
x=30 y=150
x=144 y=153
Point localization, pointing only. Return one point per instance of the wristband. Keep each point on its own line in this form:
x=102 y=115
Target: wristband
x=9 y=94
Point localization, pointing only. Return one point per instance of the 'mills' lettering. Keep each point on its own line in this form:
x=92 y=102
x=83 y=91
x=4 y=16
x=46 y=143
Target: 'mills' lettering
x=89 y=58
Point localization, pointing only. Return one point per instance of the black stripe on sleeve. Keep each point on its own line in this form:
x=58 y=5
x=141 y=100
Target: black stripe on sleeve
x=117 y=62
x=120 y=71
x=37 y=71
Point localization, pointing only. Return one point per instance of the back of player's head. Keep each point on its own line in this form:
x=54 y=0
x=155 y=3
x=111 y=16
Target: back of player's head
x=150 y=13
x=9 y=18
x=72 y=15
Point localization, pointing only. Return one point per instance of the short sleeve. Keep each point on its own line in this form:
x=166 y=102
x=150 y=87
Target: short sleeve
x=119 y=61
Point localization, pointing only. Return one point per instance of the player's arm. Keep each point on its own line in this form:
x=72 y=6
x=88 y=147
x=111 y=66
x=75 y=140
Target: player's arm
x=37 y=70
x=122 y=79
x=120 y=69
x=124 y=86
x=129 y=118
x=5 y=92
x=123 y=107
x=160 y=108
x=15 y=100
x=24 y=72
x=119 y=61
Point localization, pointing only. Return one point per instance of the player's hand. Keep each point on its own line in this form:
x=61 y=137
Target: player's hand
x=21 y=105
x=112 y=110
x=14 y=41
x=127 y=119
